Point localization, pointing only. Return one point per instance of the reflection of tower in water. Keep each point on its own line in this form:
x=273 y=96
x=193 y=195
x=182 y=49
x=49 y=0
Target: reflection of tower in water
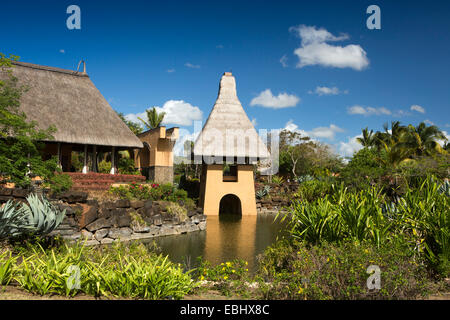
x=235 y=238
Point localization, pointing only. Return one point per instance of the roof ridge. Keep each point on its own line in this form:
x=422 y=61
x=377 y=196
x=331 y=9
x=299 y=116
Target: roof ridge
x=47 y=68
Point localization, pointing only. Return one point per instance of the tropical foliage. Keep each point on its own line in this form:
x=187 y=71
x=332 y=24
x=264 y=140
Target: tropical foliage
x=154 y=118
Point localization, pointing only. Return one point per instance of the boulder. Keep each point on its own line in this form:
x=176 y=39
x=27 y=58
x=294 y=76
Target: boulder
x=106 y=241
x=90 y=213
x=123 y=203
x=20 y=193
x=74 y=196
x=5 y=191
x=99 y=224
x=124 y=220
x=101 y=233
x=157 y=220
x=86 y=234
x=108 y=205
x=140 y=229
x=136 y=204
x=202 y=225
x=116 y=233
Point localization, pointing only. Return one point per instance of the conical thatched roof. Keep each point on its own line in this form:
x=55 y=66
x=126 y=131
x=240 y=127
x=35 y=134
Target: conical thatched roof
x=228 y=132
x=69 y=100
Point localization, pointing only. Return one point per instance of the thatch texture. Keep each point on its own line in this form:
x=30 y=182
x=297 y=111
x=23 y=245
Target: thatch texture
x=228 y=132
x=70 y=101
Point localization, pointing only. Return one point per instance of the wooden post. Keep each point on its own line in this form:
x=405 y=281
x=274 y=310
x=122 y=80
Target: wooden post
x=59 y=155
x=113 y=161
x=85 y=158
x=94 y=159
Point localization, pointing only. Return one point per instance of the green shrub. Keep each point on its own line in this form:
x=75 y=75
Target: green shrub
x=60 y=183
x=7 y=270
x=104 y=166
x=311 y=190
x=330 y=271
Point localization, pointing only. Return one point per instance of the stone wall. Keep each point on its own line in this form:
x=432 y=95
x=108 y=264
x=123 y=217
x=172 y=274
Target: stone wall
x=105 y=222
x=279 y=197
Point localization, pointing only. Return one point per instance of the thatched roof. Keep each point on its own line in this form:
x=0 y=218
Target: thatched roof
x=228 y=132
x=70 y=101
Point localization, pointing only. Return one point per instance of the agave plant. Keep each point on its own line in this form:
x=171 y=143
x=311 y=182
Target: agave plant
x=305 y=178
x=445 y=188
x=12 y=220
x=41 y=214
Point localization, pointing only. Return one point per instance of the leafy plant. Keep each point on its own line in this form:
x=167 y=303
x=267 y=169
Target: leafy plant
x=277 y=180
x=41 y=215
x=13 y=221
x=60 y=182
x=7 y=263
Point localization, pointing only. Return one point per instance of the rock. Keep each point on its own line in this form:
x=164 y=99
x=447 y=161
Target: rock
x=124 y=220
x=86 y=234
x=136 y=204
x=277 y=199
x=92 y=202
x=116 y=233
x=6 y=198
x=167 y=231
x=101 y=233
x=157 y=220
x=5 y=191
x=140 y=236
x=155 y=231
x=104 y=213
x=74 y=196
x=108 y=205
x=195 y=219
x=182 y=228
x=192 y=227
x=106 y=241
x=99 y=224
x=140 y=229
x=202 y=225
x=75 y=236
x=89 y=214
x=191 y=213
x=20 y=193
x=123 y=203
x=91 y=242
x=148 y=204
x=148 y=220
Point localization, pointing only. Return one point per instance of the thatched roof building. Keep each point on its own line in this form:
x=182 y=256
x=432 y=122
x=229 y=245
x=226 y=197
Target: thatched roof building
x=70 y=101
x=228 y=132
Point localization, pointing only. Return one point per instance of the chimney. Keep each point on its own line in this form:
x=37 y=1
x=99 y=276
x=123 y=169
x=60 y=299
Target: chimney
x=84 y=66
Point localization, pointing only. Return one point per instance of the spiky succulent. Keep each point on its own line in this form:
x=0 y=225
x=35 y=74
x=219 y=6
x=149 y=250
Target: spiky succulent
x=13 y=221
x=42 y=215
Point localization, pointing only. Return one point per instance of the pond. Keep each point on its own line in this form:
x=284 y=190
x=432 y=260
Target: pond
x=226 y=237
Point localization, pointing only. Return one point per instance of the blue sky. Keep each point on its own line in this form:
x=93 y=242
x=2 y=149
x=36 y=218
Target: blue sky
x=327 y=74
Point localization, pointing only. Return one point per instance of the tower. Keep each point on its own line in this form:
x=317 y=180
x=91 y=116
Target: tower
x=227 y=147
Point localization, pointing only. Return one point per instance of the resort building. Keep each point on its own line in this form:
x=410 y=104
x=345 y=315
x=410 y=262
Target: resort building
x=155 y=159
x=84 y=121
x=227 y=147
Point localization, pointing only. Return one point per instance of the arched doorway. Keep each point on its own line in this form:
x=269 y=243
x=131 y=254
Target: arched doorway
x=230 y=205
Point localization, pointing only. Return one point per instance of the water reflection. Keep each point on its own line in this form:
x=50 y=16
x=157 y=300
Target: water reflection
x=227 y=237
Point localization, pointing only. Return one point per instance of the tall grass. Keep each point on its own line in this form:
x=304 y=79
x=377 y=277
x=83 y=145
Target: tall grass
x=120 y=271
x=421 y=218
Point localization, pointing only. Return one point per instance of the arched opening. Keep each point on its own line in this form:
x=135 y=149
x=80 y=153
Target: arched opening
x=230 y=205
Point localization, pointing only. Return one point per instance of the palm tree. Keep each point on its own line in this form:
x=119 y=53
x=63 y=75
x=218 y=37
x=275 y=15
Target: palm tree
x=422 y=140
x=154 y=118
x=368 y=138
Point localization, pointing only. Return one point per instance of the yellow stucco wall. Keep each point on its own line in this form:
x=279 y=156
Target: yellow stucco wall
x=161 y=142
x=213 y=189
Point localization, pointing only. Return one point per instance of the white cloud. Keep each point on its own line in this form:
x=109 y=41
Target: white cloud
x=171 y=70
x=347 y=149
x=321 y=91
x=283 y=61
x=315 y=50
x=192 y=66
x=316 y=133
x=268 y=100
x=62 y=51
x=325 y=132
x=254 y=122
x=429 y=122
x=368 y=111
x=178 y=112
x=417 y=108
x=184 y=135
